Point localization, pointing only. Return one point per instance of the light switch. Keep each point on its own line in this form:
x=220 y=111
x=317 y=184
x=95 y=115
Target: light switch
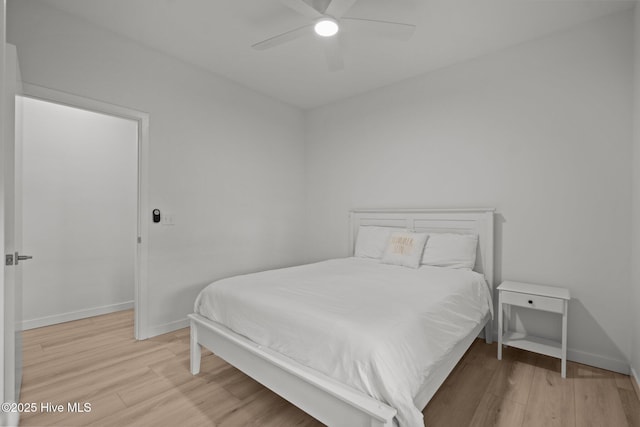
x=168 y=219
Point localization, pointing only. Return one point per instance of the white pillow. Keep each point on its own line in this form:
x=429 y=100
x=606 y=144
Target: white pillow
x=372 y=241
x=405 y=248
x=450 y=250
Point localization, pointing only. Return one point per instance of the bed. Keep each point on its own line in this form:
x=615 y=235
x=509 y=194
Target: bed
x=274 y=325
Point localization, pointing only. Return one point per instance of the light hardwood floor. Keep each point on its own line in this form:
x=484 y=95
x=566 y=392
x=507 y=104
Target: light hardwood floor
x=147 y=383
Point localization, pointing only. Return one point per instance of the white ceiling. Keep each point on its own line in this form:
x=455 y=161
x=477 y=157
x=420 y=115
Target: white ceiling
x=217 y=35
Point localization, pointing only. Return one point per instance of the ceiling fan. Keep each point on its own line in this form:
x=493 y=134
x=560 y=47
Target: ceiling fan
x=327 y=21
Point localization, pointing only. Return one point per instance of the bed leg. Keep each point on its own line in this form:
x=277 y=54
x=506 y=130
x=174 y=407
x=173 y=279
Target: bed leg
x=195 y=350
x=488 y=332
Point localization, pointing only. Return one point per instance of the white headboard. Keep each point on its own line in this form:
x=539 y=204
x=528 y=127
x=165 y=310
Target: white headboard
x=475 y=221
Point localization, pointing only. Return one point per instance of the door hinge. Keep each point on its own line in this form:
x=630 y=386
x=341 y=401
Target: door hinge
x=8 y=259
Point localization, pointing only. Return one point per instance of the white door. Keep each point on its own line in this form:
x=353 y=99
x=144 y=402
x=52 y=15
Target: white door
x=12 y=286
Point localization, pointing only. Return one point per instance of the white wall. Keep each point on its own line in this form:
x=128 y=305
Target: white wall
x=540 y=131
x=635 y=260
x=79 y=211
x=226 y=161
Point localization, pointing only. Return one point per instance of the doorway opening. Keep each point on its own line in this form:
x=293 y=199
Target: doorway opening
x=84 y=195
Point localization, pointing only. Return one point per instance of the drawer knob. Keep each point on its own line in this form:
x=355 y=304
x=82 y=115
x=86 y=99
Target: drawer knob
x=530 y=301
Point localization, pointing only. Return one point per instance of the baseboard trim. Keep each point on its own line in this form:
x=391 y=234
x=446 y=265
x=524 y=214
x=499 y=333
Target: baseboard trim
x=603 y=362
x=635 y=380
x=75 y=315
x=167 y=327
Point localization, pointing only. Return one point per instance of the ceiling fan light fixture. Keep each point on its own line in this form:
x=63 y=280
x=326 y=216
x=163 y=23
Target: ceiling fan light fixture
x=326 y=27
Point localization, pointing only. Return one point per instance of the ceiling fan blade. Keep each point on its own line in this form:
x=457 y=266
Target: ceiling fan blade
x=283 y=38
x=396 y=30
x=302 y=7
x=337 y=8
x=333 y=53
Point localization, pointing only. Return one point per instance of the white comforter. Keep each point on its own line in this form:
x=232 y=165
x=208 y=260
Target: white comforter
x=379 y=328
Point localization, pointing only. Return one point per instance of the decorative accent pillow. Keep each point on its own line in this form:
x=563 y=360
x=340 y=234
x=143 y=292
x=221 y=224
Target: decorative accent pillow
x=405 y=248
x=372 y=241
x=450 y=250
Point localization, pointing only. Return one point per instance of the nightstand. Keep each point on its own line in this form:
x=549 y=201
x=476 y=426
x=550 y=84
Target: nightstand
x=536 y=297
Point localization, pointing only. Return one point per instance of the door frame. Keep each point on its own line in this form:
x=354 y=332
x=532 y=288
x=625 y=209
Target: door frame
x=142 y=246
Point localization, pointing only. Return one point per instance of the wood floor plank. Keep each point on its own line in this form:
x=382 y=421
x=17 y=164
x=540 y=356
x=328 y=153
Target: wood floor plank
x=71 y=331
x=58 y=351
x=140 y=383
x=88 y=386
x=631 y=406
x=636 y=386
x=289 y=415
x=101 y=406
x=623 y=381
x=40 y=376
x=597 y=398
x=152 y=386
x=514 y=375
x=263 y=402
x=551 y=399
x=169 y=407
x=483 y=355
x=498 y=412
x=455 y=405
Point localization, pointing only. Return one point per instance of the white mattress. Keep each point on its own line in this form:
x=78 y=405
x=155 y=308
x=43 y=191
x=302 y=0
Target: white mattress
x=376 y=327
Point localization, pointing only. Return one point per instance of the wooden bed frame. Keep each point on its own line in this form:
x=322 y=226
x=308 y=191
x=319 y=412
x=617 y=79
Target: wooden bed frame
x=324 y=398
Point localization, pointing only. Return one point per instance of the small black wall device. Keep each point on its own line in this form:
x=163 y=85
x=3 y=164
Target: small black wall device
x=156 y=215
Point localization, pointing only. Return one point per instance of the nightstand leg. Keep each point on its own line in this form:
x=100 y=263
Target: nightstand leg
x=500 y=321
x=564 y=341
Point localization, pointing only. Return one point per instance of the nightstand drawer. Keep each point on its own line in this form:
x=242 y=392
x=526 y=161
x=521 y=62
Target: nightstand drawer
x=538 y=302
